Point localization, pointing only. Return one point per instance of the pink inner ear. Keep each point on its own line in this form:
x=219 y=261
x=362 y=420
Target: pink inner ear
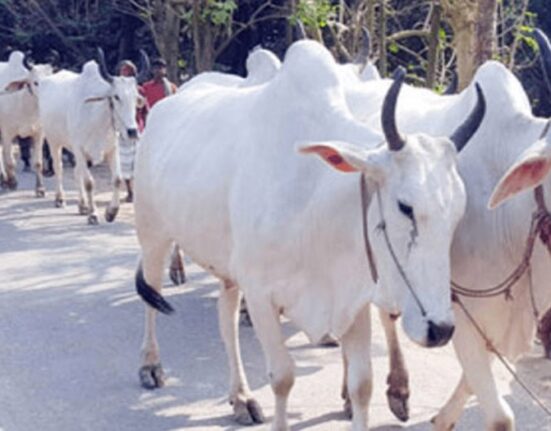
x=332 y=157
x=527 y=175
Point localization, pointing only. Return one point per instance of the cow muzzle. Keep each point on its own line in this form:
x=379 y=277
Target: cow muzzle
x=438 y=334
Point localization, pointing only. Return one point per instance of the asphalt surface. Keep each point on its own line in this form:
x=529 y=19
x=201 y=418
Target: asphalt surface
x=71 y=328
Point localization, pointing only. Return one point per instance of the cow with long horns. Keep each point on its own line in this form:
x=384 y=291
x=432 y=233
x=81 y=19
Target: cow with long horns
x=19 y=82
x=84 y=113
x=286 y=229
x=488 y=245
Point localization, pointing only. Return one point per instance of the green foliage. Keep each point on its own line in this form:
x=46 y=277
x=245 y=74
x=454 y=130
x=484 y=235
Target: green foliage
x=219 y=12
x=313 y=13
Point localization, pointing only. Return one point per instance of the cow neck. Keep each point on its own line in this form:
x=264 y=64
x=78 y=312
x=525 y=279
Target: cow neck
x=383 y=228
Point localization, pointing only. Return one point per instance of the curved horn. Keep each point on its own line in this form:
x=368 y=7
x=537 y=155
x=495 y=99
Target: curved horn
x=299 y=30
x=27 y=61
x=103 y=67
x=393 y=138
x=365 y=48
x=145 y=67
x=469 y=127
x=545 y=54
x=452 y=87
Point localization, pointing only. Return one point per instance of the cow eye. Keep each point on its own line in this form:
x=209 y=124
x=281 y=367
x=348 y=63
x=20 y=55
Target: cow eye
x=406 y=210
x=117 y=98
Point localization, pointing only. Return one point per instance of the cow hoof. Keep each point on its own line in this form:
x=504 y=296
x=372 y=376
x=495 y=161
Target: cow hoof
x=48 y=173
x=11 y=183
x=328 y=341
x=83 y=209
x=398 y=404
x=152 y=376
x=247 y=412
x=177 y=275
x=347 y=409
x=93 y=219
x=111 y=214
x=59 y=202
x=438 y=426
x=40 y=192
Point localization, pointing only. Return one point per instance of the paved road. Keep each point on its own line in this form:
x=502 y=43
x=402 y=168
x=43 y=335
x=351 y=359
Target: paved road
x=71 y=328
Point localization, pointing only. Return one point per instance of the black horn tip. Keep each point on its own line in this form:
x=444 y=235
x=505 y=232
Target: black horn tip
x=394 y=140
x=300 y=31
x=399 y=74
x=365 y=47
x=469 y=127
x=27 y=60
x=103 y=66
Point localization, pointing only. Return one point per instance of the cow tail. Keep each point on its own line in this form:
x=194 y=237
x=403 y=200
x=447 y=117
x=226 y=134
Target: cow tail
x=150 y=295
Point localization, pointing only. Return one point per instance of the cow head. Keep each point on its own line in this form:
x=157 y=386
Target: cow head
x=416 y=200
x=122 y=96
x=24 y=75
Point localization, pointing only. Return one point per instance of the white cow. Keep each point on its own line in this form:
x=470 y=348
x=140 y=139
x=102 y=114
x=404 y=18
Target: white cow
x=488 y=245
x=19 y=114
x=217 y=172
x=84 y=113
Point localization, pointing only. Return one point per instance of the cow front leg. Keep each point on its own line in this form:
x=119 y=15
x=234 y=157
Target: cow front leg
x=280 y=365
x=10 y=180
x=450 y=413
x=57 y=165
x=398 y=379
x=476 y=363
x=115 y=167
x=246 y=409
x=38 y=144
x=356 y=345
x=544 y=333
x=86 y=180
x=176 y=271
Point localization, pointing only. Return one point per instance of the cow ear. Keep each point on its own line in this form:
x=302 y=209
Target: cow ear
x=529 y=172
x=15 y=86
x=346 y=157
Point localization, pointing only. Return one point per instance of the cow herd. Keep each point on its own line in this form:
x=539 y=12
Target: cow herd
x=317 y=190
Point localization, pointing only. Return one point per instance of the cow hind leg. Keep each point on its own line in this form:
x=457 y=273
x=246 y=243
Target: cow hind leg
x=398 y=379
x=149 y=277
x=10 y=180
x=37 y=143
x=176 y=271
x=113 y=208
x=279 y=363
x=57 y=164
x=356 y=345
x=246 y=409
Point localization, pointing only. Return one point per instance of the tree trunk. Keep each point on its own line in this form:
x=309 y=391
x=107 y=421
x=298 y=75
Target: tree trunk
x=382 y=40
x=462 y=16
x=485 y=41
x=433 y=43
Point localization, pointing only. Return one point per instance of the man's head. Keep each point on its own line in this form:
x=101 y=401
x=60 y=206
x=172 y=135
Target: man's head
x=127 y=68
x=158 y=67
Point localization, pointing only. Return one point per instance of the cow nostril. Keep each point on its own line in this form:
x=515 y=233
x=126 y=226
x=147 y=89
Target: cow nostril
x=438 y=335
x=132 y=133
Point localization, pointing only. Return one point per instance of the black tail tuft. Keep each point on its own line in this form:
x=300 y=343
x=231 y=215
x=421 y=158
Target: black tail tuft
x=150 y=295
